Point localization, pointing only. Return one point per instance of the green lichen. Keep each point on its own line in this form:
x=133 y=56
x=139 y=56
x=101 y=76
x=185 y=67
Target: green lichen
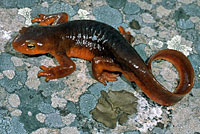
x=114 y=106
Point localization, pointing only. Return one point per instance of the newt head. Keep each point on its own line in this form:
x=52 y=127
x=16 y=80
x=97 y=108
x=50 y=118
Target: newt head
x=30 y=40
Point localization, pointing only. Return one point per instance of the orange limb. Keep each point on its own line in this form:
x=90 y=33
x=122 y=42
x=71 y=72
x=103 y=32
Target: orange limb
x=127 y=35
x=104 y=69
x=52 y=19
x=66 y=67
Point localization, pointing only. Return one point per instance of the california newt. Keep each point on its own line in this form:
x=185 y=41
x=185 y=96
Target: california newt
x=109 y=51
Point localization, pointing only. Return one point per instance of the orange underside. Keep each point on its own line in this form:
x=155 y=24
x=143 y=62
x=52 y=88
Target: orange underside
x=82 y=53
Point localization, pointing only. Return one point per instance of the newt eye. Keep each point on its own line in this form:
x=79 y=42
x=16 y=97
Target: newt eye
x=31 y=46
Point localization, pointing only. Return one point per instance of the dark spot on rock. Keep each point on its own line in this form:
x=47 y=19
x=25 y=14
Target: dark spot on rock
x=134 y=25
x=180 y=14
x=160 y=125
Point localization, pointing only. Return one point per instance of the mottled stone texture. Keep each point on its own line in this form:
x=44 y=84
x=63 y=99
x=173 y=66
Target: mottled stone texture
x=29 y=105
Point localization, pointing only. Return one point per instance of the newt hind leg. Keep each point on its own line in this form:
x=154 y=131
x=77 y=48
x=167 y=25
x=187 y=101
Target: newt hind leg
x=51 y=19
x=126 y=35
x=104 y=69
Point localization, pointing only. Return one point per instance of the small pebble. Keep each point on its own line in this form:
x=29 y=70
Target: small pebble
x=30 y=113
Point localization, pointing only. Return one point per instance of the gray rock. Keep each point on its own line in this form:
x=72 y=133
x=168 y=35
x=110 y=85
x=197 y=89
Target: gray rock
x=46 y=108
x=131 y=8
x=169 y=4
x=18 y=3
x=185 y=24
x=96 y=88
x=54 y=120
x=116 y=3
x=87 y=103
x=195 y=63
x=12 y=85
x=62 y=7
x=192 y=9
x=108 y=15
x=140 y=49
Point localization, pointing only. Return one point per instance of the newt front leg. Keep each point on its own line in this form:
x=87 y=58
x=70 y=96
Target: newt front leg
x=66 y=67
x=52 y=19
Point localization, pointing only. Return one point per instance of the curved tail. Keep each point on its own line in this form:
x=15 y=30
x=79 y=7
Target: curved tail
x=186 y=74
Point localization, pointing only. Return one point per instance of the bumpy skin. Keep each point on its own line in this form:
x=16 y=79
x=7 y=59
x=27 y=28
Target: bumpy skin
x=108 y=50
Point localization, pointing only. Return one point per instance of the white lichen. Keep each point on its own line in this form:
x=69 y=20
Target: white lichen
x=47 y=62
x=72 y=130
x=1 y=76
x=147 y=116
x=5 y=34
x=156 y=1
x=57 y=100
x=147 y=18
x=166 y=74
x=161 y=11
x=195 y=19
x=32 y=80
x=83 y=14
x=148 y=31
x=17 y=61
x=30 y=113
x=78 y=82
x=10 y=74
x=41 y=117
x=177 y=43
x=14 y=100
x=68 y=119
x=45 y=4
x=186 y=1
x=26 y=12
x=199 y=71
x=155 y=44
x=16 y=112
x=46 y=131
x=40 y=131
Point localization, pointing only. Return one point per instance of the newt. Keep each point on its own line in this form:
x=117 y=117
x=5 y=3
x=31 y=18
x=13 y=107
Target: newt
x=108 y=50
